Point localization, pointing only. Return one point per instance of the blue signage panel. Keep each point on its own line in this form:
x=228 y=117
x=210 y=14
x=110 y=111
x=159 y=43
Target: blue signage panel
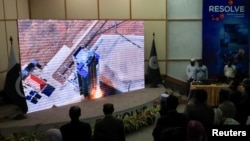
x=225 y=36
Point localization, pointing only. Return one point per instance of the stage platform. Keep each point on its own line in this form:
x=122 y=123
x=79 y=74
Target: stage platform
x=91 y=111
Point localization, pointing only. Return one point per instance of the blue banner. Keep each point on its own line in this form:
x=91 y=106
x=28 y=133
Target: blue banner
x=225 y=35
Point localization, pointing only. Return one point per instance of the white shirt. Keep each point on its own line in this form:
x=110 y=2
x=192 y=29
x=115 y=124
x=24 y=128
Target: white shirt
x=190 y=71
x=229 y=72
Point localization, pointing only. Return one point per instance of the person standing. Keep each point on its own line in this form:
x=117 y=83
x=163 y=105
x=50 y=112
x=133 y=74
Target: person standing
x=76 y=130
x=201 y=71
x=190 y=72
x=229 y=70
x=109 y=128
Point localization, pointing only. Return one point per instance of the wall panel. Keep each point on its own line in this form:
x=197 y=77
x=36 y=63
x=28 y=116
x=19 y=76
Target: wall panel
x=160 y=38
x=10 y=9
x=114 y=9
x=12 y=31
x=177 y=69
x=47 y=9
x=23 y=9
x=1 y=10
x=184 y=9
x=3 y=48
x=148 y=9
x=184 y=39
x=81 y=9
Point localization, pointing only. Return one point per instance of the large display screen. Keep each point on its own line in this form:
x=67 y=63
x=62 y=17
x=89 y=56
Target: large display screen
x=68 y=61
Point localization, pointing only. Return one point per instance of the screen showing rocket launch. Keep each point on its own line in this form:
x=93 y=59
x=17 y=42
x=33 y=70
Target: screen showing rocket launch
x=68 y=61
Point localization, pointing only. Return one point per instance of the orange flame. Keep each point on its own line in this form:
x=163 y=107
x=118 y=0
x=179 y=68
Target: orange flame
x=96 y=92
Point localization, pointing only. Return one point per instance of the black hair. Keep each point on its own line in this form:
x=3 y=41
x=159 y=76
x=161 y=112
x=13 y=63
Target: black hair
x=74 y=112
x=108 y=108
x=172 y=102
x=223 y=94
x=200 y=95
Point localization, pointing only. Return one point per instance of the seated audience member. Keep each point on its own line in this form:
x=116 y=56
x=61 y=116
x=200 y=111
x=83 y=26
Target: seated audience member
x=227 y=107
x=199 y=110
x=196 y=131
x=248 y=120
x=230 y=121
x=172 y=119
x=242 y=88
x=243 y=110
x=218 y=117
x=76 y=130
x=239 y=76
x=191 y=95
x=235 y=95
x=172 y=134
x=52 y=135
x=163 y=105
x=109 y=128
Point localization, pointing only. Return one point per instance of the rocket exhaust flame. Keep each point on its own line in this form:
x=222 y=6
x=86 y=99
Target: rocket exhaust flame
x=96 y=92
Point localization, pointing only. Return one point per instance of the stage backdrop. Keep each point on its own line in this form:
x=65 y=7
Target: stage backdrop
x=67 y=61
x=225 y=28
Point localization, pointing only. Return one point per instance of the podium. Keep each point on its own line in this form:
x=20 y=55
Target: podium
x=212 y=92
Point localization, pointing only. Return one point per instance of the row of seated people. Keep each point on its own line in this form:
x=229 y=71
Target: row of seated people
x=172 y=125
x=109 y=128
x=233 y=109
x=234 y=101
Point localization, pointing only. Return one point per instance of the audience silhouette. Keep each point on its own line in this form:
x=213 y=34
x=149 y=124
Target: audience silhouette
x=163 y=105
x=76 y=130
x=172 y=134
x=171 y=120
x=109 y=128
x=235 y=95
x=227 y=107
x=243 y=111
x=199 y=110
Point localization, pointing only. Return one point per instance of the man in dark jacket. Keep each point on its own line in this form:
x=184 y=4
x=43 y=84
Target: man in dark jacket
x=76 y=130
x=109 y=128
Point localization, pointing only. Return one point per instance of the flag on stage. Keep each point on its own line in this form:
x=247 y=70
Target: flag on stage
x=153 y=67
x=12 y=59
